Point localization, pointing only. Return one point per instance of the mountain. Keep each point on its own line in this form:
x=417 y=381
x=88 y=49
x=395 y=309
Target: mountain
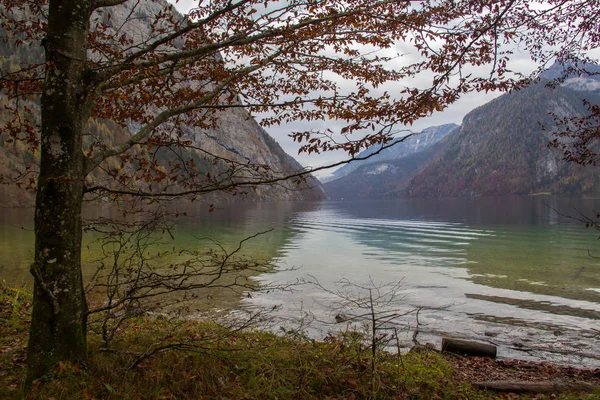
x=393 y=168
x=577 y=76
x=413 y=144
x=235 y=135
x=501 y=148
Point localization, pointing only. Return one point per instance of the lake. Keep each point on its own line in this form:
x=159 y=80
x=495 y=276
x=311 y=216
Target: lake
x=512 y=271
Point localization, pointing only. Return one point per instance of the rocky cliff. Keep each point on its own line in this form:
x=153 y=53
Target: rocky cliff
x=235 y=135
x=502 y=148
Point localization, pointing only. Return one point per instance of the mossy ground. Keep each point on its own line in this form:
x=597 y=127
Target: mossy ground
x=219 y=364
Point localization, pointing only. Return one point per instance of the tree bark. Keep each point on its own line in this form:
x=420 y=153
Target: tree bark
x=58 y=325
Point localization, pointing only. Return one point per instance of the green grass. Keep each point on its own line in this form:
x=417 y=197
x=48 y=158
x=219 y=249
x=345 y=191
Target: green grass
x=14 y=313
x=222 y=364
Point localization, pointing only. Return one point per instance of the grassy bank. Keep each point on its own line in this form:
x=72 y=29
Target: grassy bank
x=205 y=361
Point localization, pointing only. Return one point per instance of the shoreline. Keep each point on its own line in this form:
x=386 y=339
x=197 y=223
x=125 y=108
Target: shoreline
x=210 y=361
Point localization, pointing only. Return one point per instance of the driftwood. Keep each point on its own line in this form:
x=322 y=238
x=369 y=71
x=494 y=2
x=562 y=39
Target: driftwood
x=468 y=348
x=536 y=387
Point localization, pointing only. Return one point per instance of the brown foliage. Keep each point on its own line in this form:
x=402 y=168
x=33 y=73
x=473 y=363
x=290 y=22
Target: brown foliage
x=294 y=61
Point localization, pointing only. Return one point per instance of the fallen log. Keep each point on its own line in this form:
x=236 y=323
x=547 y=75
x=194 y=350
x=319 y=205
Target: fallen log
x=468 y=348
x=536 y=387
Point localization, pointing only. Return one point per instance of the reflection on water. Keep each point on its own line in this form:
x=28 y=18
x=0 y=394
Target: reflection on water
x=196 y=229
x=506 y=270
x=466 y=256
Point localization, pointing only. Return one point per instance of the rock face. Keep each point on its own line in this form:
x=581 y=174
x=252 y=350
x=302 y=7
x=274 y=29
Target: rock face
x=386 y=174
x=501 y=148
x=235 y=135
x=238 y=136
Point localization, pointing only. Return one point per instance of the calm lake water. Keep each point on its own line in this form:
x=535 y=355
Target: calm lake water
x=510 y=271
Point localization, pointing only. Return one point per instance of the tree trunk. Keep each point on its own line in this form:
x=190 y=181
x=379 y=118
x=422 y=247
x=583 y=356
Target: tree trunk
x=58 y=324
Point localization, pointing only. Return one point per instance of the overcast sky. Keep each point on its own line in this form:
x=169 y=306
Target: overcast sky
x=453 y=114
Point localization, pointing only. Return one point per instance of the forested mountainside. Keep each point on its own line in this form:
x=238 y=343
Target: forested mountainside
x=393 y=168
x=502 y=148
x=413 y=144
x=235 y=135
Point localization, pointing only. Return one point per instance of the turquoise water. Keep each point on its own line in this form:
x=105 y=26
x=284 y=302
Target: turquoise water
x=513 y=271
